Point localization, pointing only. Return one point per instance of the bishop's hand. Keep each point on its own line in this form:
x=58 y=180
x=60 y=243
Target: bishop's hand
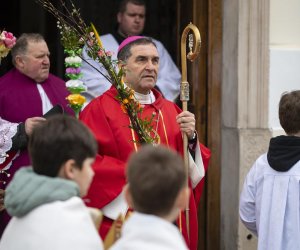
x=186 y=120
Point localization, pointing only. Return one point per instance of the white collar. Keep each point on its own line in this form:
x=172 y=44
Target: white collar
x=144 y=99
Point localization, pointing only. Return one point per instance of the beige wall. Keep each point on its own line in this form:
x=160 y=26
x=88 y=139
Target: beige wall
x=245 y=132
x=284 y=54
x=285 y=23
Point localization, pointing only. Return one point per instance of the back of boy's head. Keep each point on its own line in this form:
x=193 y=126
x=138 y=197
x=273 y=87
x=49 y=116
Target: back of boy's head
x=155 y=176
x=58 y=140
x=289 y=112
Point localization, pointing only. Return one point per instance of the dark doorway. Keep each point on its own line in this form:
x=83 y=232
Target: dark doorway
x=27 y=16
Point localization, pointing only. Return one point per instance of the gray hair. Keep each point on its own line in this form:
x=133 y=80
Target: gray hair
x=21 y=45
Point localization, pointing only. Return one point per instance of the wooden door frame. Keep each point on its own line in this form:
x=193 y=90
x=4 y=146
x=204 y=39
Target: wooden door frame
x=206 y=76
x=215 y=24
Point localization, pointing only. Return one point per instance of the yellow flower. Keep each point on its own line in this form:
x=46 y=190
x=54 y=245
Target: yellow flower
x=76 y=99
x=3 y=50
x=125 y=101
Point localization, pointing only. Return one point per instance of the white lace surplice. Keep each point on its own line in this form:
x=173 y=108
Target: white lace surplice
x=7 y=131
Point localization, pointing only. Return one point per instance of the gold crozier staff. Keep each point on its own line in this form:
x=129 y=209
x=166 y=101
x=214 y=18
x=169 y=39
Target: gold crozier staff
x=184 y=88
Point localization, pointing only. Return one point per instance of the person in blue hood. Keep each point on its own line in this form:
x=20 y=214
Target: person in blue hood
x=270 y=200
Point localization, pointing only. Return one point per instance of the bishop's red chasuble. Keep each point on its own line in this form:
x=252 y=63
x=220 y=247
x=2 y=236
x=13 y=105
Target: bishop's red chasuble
x=110 y=126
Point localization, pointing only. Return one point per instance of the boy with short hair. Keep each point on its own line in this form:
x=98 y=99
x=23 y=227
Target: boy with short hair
x=44 y=199
x=157 y=190
x=270 y=200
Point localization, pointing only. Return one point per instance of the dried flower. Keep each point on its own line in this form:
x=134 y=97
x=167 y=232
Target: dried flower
x=75 y=85
x=76 y=99
x=7 y=41
x=76 y=102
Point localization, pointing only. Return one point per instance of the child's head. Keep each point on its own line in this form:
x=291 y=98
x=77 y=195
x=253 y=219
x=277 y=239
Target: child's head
x=64 y=147
x=289 y=112
x=156 y=182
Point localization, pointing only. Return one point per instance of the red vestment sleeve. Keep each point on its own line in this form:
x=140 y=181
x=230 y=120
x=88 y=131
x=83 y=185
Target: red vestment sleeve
x=109 y=177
